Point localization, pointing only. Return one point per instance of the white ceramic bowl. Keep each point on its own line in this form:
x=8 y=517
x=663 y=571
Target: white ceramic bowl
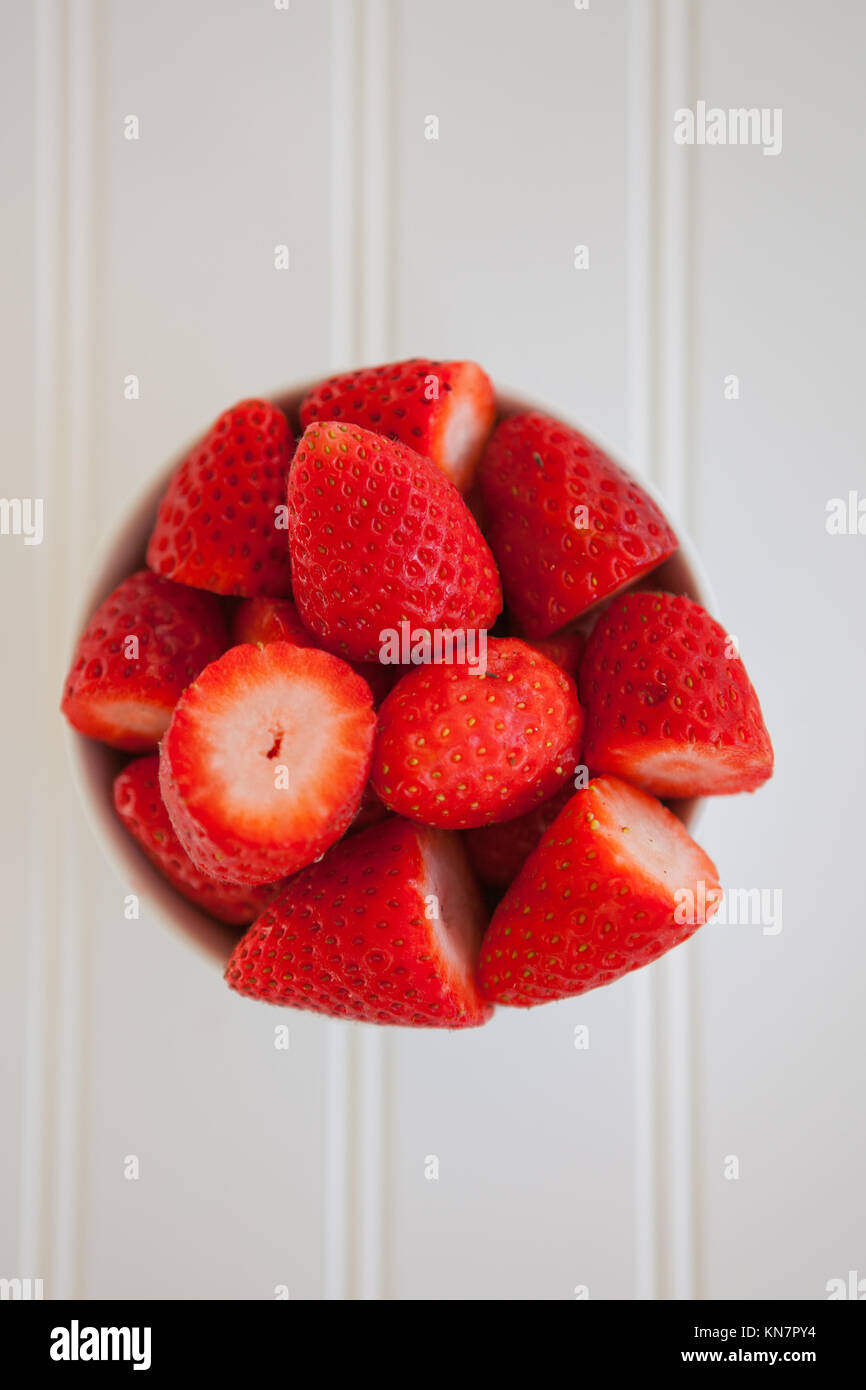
x=94 y=766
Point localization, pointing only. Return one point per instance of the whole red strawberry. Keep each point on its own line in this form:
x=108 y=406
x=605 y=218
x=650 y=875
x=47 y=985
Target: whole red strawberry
x=669 y=703
x=265 y=760
x=498 y=852
x=379 y=537
x=567 y=525
x=444 y=410
x=139 y=805
x=615 y=882
x=456 y=748
x=219 y=524
x=140 y=650
x=276 y=620
x=386 y=929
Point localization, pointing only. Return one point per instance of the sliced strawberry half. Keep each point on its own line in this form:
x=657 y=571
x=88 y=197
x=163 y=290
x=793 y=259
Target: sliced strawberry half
x=444 y=410
x=265 y=760
x=568 y=526
x=142 y=647
x=139 y=805
x=218 y=525
x=386 y=929
x=615 y=883
x=669 y=703
x=379 y=537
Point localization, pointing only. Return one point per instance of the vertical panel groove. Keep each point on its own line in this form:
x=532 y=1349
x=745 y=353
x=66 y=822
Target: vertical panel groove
x=642 y=139
x=361 y=314
x=660 y=392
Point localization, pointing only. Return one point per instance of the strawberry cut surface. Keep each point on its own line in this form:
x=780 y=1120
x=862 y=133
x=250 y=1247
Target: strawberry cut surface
x=379 y=536
x=444 y=410
x=217 y=524
x=597 y=898
x=144 y=644
x=568 y=526
x=386 y=929
x=140 y=807
x=457 y=749
x=670 y=706
x=265 y=761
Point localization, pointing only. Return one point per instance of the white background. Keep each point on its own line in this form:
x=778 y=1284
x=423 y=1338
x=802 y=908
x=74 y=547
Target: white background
x=558 y=1167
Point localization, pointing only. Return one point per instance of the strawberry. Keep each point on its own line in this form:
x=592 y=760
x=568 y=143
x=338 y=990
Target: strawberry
x=217 y=526
x=614 y=883
x=265 y=760
x=370 y=811
x=458 y=749
x=276 y=620
x=565 y=650
x=379 y=536
x=386 y=929
x=444 y=410
x=264 y=620
x=140 y=807
x=497 y=852
x=669 y=703
x=142 y=647
x=567 y=525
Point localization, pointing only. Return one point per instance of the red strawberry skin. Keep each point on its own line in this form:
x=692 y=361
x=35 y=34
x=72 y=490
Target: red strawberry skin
x=216 y=527
x=533 y=475
x=265 y=760
x=379 y=536
x=276 y=620
x=456 y=750
x=139 y=805
x=443 y=410
x=264 y=620
x=596 y=899
x=669 y=704
x=498 y=852
x=386 y=929
x=564 y=650
x=124 y=700
x=370 y=812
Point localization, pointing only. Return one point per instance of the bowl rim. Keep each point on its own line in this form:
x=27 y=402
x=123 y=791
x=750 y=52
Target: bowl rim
x=94 y=765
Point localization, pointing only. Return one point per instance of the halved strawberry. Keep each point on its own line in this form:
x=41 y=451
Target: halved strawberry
x=386 y=929
x=567 y=525
x=498 y=852
x=458 y=749
x=444 y=410
x=265 y=760
x=379 y=537
x=614 y=883
x=669 y=703
x=218 y=525
x=139 y=804
x=142 y=647
x=265 y=620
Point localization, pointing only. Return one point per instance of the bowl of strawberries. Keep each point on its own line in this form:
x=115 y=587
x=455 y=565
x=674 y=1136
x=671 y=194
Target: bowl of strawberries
x=398 y=696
